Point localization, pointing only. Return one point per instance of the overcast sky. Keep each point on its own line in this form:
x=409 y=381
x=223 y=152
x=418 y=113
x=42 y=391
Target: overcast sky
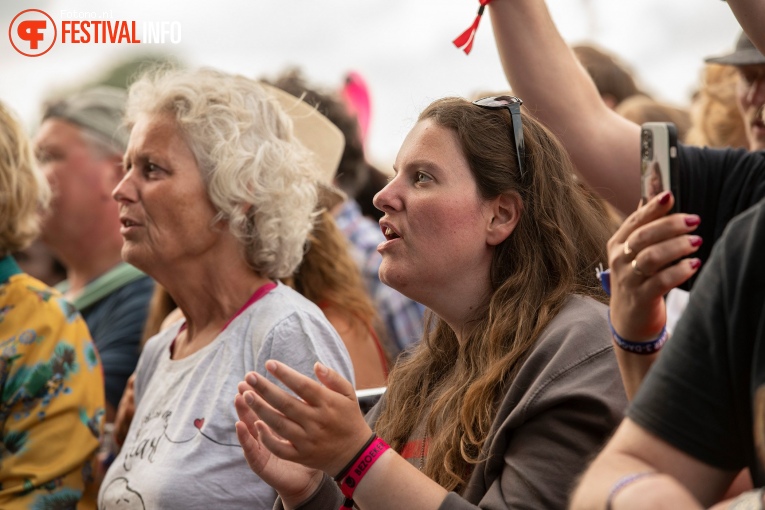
x=402 y=47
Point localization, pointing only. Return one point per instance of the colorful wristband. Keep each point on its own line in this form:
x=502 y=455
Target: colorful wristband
x=350 y=477
x=650 y=347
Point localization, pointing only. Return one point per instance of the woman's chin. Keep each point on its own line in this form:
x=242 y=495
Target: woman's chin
x=133 y=256
x=396 y=280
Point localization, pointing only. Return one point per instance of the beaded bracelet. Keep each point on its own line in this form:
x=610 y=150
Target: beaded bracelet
x=623 y=482
x=650 y=347
x=352 y=474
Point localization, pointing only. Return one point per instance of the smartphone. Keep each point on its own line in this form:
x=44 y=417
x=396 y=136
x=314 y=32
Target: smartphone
x=368 y=398
x=658 y=161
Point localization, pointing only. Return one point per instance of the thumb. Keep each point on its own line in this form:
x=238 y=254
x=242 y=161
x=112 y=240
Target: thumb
x=333 y=380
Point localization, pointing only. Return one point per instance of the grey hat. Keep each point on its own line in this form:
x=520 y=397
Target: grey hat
x=98 y=110
x=745 y=54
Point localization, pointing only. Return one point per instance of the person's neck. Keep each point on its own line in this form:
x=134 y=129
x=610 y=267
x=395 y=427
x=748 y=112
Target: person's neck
x=459 y=307
x=209 y=301
x=215 y=293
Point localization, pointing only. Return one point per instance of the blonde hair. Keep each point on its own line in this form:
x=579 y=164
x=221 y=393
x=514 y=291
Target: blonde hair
x=23 y=189
x=716 y=120
x=258 y=175
x=454 y=387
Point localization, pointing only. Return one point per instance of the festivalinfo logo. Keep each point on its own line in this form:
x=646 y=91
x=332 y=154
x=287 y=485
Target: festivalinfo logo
x=33 y=32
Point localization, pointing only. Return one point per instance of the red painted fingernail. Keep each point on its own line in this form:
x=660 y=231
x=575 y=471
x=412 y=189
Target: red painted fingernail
x=692 y=220
x=695 y=263
x=696 y=241
x=665 y=197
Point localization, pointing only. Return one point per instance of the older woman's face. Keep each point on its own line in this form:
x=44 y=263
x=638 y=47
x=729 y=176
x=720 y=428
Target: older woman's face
x=165 y=212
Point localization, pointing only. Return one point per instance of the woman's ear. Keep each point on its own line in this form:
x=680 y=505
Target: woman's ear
x=505 y=212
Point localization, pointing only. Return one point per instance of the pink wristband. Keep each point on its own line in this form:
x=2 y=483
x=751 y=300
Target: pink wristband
x=360 y=468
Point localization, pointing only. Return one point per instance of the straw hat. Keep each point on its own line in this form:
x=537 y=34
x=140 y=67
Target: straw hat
x=321 y=137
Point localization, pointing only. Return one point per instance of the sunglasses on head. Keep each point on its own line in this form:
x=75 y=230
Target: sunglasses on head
x=513 y=104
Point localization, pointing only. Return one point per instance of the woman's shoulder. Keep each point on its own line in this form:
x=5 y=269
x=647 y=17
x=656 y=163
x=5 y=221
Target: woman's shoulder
x=27 y=303
x=283 y=303
x=581 y=320
x=576 y=340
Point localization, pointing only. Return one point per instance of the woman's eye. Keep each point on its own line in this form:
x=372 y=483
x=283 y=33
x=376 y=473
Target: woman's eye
x=423 y=177
x=152 y=169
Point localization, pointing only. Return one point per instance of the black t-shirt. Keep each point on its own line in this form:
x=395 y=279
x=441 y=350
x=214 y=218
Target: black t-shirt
x=706 y=393
x=718 y=184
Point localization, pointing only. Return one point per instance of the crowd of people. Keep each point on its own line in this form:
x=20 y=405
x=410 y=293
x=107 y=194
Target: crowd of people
x=227 y=299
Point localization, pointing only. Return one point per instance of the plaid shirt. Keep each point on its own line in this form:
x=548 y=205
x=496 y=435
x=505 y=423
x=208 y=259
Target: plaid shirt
x=402 y=316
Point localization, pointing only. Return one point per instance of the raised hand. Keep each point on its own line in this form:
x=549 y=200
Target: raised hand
x=642 y=255
x=643 y=258
x=294 y=482
x=322 y=429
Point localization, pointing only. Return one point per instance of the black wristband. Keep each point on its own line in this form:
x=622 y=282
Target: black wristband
x=344 y=471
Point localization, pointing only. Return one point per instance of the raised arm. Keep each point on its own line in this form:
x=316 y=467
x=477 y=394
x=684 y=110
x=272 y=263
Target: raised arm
x=751 y=16
x=556 y=89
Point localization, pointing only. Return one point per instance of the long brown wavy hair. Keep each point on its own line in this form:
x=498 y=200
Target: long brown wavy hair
x=552 y=253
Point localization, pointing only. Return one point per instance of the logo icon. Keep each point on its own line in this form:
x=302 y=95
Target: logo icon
x=32 y=32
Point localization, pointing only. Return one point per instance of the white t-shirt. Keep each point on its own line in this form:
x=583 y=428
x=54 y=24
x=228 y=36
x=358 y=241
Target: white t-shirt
x=181 y=450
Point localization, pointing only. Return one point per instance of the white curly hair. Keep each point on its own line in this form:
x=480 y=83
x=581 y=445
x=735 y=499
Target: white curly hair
x=259 y=177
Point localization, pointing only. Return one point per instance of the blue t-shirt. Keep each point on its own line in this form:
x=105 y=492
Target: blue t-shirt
x=116 y=324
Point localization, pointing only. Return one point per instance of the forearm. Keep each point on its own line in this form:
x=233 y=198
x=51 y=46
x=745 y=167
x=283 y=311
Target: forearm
x=555 y=88
x=633 y=369
x=751 y=16
x=392 y=482
x=677 y=480
x=652 y=491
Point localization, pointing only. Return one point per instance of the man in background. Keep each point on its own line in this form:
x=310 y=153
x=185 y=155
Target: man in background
x=79 y=146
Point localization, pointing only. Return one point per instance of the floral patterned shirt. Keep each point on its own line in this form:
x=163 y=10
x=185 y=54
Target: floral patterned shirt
x=51 y=397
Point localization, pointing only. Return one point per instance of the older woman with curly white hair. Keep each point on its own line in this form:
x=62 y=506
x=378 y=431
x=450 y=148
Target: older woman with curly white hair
x=216 y=203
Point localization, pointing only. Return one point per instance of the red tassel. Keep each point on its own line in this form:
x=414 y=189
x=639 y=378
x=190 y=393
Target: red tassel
x=468 y=36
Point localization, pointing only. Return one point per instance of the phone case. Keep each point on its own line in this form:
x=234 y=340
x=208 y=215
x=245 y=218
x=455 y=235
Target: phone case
x=658 y=157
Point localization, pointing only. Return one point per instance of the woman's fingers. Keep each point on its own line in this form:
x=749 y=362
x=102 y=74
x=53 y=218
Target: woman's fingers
x=655 y=208
x=672 y=276
x=277 y=398
x=253 y=452
x=656 y=257
x=244 y=386
x=280 y=447
x=246 y=414
x=660 y=230
x=278 y=422
x=303 y=386
x=334 y=381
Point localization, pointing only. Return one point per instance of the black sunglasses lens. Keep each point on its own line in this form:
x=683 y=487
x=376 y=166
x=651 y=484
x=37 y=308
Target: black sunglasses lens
x=497 y=102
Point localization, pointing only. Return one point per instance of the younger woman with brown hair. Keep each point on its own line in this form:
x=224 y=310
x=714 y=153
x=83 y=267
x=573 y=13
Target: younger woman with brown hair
x=514 y=385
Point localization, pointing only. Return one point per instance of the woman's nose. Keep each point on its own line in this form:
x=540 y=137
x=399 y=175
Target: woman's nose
x=388 y=198
x=125 y=190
